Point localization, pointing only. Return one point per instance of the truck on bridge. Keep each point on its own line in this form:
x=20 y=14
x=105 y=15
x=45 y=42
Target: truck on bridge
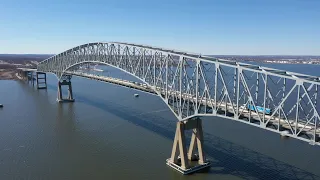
x=259 y=109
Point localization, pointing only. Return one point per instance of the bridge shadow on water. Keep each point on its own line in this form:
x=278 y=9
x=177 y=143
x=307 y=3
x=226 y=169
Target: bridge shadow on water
x=227 y=157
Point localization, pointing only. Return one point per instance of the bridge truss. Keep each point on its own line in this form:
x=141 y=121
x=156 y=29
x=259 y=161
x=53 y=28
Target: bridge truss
x=193 y=85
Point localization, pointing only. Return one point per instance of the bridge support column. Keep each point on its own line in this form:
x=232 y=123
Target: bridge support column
x=41 y=80
x=65 y=82
x=26 y=76
x=29 y=75
x=32 y=77
x=182 y=163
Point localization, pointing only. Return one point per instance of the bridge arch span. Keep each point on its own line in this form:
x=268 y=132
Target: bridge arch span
x=194 y=85
x=154 y=88
x=159 y=68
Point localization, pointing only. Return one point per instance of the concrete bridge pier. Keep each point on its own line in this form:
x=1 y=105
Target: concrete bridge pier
x=32 y=78
x=29 y=76
x=65 y=82
x=184 y=161
x=41 y=80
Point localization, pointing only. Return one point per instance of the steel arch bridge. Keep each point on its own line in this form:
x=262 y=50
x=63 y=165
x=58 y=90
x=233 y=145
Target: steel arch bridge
x=193 y=85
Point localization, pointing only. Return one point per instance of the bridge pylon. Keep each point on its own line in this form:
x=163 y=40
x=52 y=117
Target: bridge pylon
x=41 y=80
x=65 y=81
x=185 y=161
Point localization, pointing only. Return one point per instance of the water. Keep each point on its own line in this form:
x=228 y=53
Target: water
x=109 y=134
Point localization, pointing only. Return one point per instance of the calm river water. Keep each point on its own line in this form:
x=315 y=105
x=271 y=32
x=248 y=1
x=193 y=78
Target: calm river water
x=107 y=133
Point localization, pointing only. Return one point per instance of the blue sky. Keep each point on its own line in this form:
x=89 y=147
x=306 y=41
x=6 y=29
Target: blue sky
x=247 y=27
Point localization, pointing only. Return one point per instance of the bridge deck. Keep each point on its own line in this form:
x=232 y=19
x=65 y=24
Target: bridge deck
x=28 y=69
x=225 y=109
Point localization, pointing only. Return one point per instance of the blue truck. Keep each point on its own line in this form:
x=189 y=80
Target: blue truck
x=259 y=109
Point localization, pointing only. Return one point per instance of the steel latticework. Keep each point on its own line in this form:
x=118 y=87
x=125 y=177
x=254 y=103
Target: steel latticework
x=193 y=85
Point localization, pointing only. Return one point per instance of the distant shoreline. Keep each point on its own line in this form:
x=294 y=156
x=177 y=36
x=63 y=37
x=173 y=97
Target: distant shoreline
x=10 y=62
x=8 y=75
x=275 y=62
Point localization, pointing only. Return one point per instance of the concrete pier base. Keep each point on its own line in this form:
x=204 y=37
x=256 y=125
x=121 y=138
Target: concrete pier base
x=70 y=94
x=41 y=80
x=184 y=162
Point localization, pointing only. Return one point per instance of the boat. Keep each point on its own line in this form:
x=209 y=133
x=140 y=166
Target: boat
x=99 y=70
x=96 y=69
x=136 y=95
x=1 y=105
